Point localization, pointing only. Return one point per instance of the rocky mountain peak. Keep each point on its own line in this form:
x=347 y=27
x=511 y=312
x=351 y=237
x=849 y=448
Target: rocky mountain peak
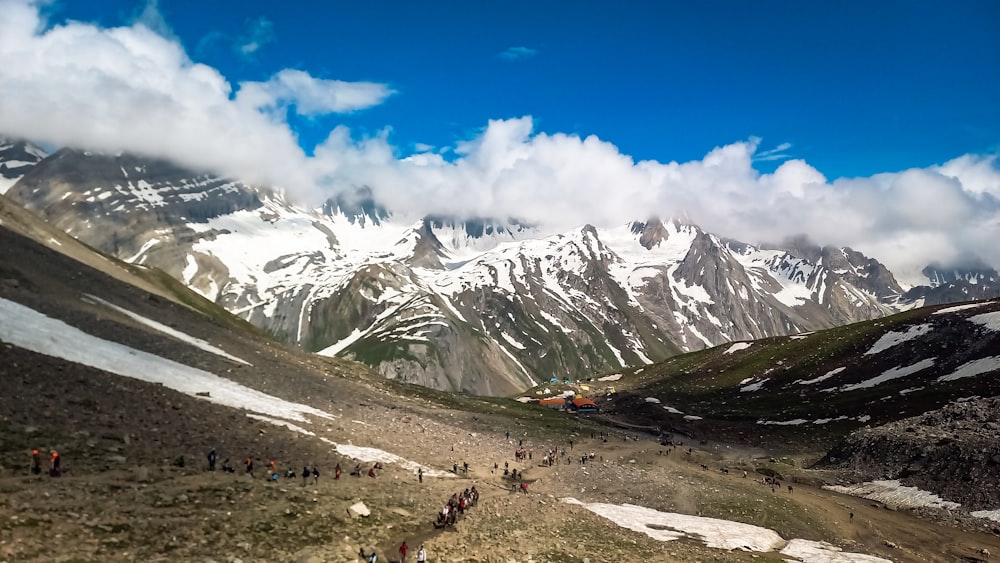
x=359 y=206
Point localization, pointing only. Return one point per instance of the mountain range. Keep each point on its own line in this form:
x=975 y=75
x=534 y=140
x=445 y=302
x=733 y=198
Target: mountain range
x=483 y=305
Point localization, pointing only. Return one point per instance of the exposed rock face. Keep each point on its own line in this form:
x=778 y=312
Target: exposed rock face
x=479 y=305
x=950 y=452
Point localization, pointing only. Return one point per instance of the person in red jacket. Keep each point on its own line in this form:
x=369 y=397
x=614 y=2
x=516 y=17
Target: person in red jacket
x=55 y=469
x=402 y=552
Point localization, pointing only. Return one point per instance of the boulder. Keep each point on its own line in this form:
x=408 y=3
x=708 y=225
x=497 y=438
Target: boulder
x=359 y=510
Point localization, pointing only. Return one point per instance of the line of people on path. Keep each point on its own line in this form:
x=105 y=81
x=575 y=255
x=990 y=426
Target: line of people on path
x=456 y=505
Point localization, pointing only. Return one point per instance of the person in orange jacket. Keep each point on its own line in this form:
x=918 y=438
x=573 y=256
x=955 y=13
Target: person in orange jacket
x=55 y=469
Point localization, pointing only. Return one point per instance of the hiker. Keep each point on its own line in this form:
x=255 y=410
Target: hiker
x=371 y=472
x=315 y=473
x=249 y=464
x=272 y=471
x=420 y=474
x=402 y=552
x=508 y=434
x=454 y=468
x=305 y=475
x=524 y=488
x=211 y=460
x=422 y=554
x=357 y=471
x=227 y=467
x=290 y=474
x=36 y=463
x=56 y=465
x=336 y=473
x=851 y=517
x=465 y=467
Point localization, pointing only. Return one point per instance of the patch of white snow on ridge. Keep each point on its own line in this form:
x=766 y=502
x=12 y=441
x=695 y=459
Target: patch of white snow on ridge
x=808 y=551
x=671 y=410
x=753 y=386
x=894 y=494
x=613 y=377
x=737 y=347
x=173 y=333
x=893 y=338
x=794 y=422
x=669 y=526
x=823 y=377
x=652 y=400
x=958 y=308
x=339 y=346
x=511 y=340
x=973 y=368
x=989 y=320
x=279 y=422
x=31 y=330
x=890 y=374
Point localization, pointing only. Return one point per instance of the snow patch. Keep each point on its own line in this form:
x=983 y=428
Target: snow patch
x=652 y=400
x=892 y=338
x=737 y=347
x=989 y=320
x=973 y=368
x=613 y=377
x=823 y=377
x=890 y=374
x=958 y=308
x=894 y=494
x=809 y=551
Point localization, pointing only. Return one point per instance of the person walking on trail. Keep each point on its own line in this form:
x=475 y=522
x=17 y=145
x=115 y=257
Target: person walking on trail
x=305 y=475
x=402 y=552
x=36 y=463
x=420 y=474
x=336 y=473
x=249 y=464
x=211 y=460
x=422 y=554
x=315 y=474
x=55 y=469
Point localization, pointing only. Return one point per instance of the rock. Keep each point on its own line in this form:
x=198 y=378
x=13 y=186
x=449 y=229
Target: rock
x=359 y=510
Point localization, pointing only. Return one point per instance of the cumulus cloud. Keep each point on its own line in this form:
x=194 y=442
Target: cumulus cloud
x=516 y=53
x=132 y=89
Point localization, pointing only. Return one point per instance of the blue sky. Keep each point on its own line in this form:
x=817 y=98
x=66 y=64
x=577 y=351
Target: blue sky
x=856 y=88
x=874 y=125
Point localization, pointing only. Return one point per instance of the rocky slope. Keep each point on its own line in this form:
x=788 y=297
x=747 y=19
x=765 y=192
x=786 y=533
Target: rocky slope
x=952 y=452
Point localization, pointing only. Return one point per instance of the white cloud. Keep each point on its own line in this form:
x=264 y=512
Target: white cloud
x=517 y=53
x=311 y=96
x=259 y=32
x=129 y=88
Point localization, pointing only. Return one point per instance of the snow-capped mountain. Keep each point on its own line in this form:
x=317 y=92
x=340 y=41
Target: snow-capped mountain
x=482 y=305
x=16 y=159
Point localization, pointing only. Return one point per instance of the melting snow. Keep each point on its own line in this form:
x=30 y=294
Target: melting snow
x=159 y=327
x=31 y=330
x=613 y=377
x=794 y=422
x=989 y=320
x=672 y=410
x=737 y=347
x=973 y=368
x=823 y=377
x=753 y=386
x=894 y=494
x=372 y=455
x=718 y=533
x=893 y=338
x=692 y=417
x=958 y=308
x=822 y=552
x=668 y=526
x=890 y=374
x=652 y=400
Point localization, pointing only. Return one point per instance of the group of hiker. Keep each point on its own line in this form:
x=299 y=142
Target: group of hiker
x=455 y=506
x=55 y=464
x=271 y=474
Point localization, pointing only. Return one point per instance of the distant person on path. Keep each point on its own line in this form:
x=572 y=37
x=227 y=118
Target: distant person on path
x=305 y=475
x=36 y=463
x=402 y=552
x=422 y=554
x=249 y=464
x=508 y=434
x=851 y=517
x=336 y=473
x=315 y=473
x=55 y=463
x=420 y=474
x=211 y=460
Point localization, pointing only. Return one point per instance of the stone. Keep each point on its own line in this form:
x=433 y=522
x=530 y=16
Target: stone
x=359 y=510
